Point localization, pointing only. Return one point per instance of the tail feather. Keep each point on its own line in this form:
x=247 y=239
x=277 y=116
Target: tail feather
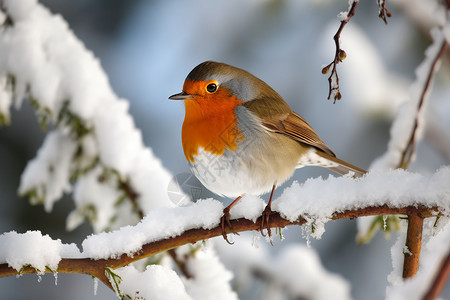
x=341 y=167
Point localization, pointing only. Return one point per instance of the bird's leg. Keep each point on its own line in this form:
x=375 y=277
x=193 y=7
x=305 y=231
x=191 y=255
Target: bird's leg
x=266 y=214
x=226 y=218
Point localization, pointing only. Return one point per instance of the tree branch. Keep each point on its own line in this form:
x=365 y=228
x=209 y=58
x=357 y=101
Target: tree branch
x=413 y=244
x=439 y=281
x=340 y=55
x=383 y=12
x=97 y=267
x=410 y=149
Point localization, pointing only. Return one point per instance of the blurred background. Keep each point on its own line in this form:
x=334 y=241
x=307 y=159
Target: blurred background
x=148 y=47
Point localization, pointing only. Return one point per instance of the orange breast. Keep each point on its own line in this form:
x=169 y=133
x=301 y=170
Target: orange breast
x=210 y=123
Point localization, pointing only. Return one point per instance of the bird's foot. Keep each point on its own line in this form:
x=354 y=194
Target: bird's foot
x=226 y=219
x=265 y=216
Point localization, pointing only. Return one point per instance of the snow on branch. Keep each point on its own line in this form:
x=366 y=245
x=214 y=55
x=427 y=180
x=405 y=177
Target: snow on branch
x=407 y=128
x=378 y=193
x=94 y=145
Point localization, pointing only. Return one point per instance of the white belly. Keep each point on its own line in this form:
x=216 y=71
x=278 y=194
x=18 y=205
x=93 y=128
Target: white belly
x=261 y=160
x=228 y=175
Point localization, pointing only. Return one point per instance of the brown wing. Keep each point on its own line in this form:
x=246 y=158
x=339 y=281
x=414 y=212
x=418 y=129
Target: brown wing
x=295 y=127
x=278 y=117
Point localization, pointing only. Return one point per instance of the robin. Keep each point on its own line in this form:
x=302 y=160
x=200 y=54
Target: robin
x=240 y=137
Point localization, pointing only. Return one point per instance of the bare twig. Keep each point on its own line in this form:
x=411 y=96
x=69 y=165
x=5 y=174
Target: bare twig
x=410 y=149
x=97 y=267
x=439 y=281
x=413 y=244
x=339 y=56
x=181 y=264
x=132 y=196
x=383 y=12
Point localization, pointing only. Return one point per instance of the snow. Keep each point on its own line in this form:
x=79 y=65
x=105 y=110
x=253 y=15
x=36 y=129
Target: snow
x=42 y=53
x=158 y=224
x=299 y=270
x=89 y=194
x=210 y=279
x=316 y=200
x=34 y=249
x=249 y=207
x=343 y=16
x=403 y=124
x=319 y=198
x=446 y=31
x=49 y=172
x=435 y=247
x=156 y=283
x=5 y=97
x=295 y=269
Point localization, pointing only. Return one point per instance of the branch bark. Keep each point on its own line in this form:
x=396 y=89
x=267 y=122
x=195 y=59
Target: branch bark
x=439 y=280
x=97 y=267
x=413 y=244
x=410 y=149
x=339 y=56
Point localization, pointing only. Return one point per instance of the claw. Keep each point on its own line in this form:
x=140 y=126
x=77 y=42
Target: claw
x=226 y=218
x=265 y=216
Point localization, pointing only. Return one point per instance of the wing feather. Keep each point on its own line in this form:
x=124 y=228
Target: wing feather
x=295 y=127
x=277 y=117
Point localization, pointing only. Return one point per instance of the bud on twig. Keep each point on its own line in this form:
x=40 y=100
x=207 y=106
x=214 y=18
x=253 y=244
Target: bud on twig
x=337 y=96
x=342 y=55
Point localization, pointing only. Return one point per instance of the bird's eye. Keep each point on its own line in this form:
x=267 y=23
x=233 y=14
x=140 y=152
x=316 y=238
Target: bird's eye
x=211 y=88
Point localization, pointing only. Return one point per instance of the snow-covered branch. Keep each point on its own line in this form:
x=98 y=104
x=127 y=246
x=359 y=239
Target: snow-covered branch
x=93 y=146
x=167 y=228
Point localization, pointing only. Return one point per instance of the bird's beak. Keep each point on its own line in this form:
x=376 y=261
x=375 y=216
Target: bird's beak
x=181 y=96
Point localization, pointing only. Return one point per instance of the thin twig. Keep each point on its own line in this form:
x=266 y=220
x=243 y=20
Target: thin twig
x=339 y=56
x=439 y=281
x=97 y=267
x=410 y=149
x=181 y=264
x=383 y=12
x=132 y=196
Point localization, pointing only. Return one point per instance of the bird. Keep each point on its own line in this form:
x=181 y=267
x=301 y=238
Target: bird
x=240 y=137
